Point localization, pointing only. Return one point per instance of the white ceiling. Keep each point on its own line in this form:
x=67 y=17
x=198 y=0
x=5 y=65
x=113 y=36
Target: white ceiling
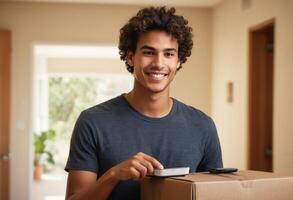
x=188 y=3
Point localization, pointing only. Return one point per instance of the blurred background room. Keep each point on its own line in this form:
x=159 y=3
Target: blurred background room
x=59 y=57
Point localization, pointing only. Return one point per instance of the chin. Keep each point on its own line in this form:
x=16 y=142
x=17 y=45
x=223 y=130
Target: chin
x=157 y=89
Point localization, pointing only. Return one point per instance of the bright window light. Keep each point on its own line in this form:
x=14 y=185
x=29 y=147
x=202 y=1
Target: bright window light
x=77 y=51
x=54 y=197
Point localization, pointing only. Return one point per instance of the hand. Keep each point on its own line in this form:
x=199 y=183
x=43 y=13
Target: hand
x=136 y=167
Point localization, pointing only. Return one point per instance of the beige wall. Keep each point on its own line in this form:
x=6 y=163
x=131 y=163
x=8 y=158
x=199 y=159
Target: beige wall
x=229 y=63
x=82 y=24
x=223 y=28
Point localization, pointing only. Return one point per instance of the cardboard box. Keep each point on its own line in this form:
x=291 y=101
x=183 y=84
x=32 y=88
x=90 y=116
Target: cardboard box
x=242 y=185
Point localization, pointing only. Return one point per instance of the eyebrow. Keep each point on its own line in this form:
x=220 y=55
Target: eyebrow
x=153 y=49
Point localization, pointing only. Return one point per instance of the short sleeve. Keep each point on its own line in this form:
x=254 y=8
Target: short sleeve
x=212 y=157
x=83 y=147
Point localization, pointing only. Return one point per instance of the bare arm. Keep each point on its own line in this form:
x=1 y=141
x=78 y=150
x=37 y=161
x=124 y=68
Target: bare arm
x=83 y=184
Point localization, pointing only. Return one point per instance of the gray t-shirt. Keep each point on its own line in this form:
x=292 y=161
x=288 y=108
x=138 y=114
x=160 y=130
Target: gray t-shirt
x=113 y=131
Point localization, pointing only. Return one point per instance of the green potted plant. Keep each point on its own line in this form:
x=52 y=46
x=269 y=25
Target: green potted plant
x=43 y=152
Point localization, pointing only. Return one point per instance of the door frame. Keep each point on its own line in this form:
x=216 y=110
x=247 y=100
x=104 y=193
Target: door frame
x=5 y=90
x=260 y=26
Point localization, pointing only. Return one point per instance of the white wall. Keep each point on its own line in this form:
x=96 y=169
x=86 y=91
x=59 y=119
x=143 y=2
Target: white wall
x=230 y=63
x=33 y=23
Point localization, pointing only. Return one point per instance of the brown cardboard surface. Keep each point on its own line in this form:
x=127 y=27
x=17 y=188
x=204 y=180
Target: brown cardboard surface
x=243 y=185
x=159 y=188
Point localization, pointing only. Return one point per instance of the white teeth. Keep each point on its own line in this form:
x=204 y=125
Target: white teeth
x=156 y=76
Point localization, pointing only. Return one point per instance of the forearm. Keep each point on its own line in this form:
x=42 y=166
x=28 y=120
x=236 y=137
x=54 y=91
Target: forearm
x=101 y=189
x=82 y=185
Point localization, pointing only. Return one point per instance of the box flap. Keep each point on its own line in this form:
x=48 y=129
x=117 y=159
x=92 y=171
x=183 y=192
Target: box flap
x=237 y=176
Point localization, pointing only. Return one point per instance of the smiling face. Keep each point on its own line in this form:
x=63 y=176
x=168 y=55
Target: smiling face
x=155 y=61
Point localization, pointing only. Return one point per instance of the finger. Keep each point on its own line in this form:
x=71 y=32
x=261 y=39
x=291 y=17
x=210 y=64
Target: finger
x=142 y=158
x=147 y=164
x=140 y=168
x=151 y=159
x=134 y=173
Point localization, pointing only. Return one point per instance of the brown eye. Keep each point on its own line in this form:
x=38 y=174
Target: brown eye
x=169 y=54
x=148 y=53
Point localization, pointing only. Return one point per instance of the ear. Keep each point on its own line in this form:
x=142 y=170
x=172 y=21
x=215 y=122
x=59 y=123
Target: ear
x=129 y=59
x=178 y=65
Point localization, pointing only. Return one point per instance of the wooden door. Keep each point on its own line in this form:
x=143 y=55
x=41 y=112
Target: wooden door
x=5 y=47
x=261 y=97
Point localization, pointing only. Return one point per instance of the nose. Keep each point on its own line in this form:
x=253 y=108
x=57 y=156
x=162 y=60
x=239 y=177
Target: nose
x=158 y=61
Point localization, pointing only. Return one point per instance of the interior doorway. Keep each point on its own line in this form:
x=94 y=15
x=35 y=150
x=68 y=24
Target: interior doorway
x=69 y=78
x=261 y=80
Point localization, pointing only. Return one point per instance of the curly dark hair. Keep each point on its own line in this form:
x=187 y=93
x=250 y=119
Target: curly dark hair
x=156 y=18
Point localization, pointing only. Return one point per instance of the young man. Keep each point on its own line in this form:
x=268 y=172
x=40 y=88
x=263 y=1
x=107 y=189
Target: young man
x=115 y=144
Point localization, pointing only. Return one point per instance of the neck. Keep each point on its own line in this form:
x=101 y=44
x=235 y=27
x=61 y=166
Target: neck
x=149 y=103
